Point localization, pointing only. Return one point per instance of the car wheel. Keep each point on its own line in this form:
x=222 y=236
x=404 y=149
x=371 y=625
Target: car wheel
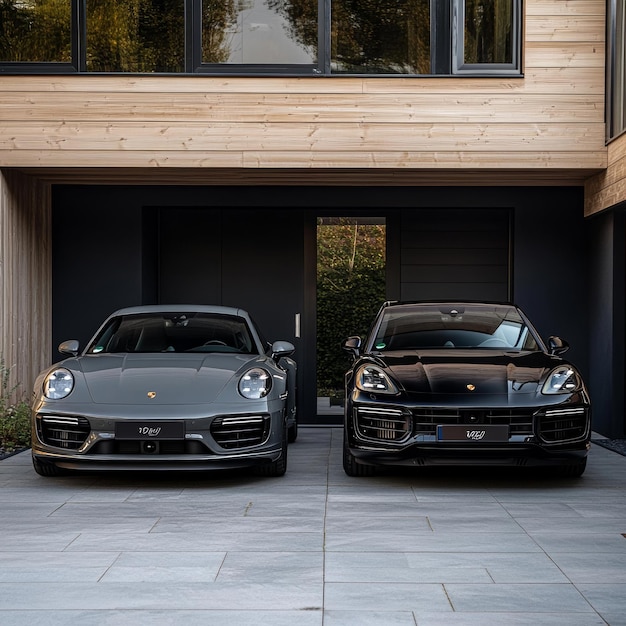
x=278 y=467
x=352 y=468
x=47 y=469
x=573 y=470
x=292 y=432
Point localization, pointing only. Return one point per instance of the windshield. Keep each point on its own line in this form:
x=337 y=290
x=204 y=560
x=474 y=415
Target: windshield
x=175 y=332
x=431 y=327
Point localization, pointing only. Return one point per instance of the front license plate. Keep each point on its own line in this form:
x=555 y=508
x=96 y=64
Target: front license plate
x=150 y=430
x=478 y=433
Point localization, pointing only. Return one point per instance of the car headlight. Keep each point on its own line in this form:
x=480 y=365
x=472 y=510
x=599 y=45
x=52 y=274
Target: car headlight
x=563 y=379
x=255 y=383
x=373 y=379
x=58 y=384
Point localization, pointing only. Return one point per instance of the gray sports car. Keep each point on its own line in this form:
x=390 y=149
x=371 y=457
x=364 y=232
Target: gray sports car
x=164 y=387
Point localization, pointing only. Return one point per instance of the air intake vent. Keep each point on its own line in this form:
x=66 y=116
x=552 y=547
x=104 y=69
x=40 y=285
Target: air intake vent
x=383 y=424
x=240 y=432
x=563 y=424
x=69 y=433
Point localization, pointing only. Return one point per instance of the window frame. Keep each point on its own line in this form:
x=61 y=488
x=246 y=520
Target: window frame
x=460 y=68
x=615 y=83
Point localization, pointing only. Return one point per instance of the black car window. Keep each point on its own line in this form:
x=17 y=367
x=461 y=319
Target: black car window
x=175 y=332
x=429 y=327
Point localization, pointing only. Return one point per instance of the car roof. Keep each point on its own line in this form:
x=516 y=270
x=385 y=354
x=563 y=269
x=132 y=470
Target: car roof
x=470 y=304
x=174 y=308
x=487 y=303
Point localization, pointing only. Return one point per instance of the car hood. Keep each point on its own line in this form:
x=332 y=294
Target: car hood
x=160 y=378
x=469 y=371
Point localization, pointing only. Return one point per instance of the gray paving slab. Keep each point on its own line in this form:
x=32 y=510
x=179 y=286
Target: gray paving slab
x=314 y=548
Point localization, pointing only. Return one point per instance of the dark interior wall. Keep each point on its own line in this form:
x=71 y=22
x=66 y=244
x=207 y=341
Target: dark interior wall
x=99 y=265
x=97 y=255
x=550 y=277
x=607 y=321
x=455 y=253
x=96 y=261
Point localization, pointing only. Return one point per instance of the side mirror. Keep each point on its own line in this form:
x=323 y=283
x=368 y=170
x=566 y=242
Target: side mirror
x=281 y=349
x=557 y=346
x=70 y=347
x=352 y=345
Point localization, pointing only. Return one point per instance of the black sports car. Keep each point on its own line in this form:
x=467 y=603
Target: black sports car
x=462 y=383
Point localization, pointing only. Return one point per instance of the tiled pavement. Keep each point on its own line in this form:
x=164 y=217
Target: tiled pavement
x=315 y=547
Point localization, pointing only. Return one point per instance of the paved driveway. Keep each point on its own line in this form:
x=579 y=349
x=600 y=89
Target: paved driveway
x=314 y=547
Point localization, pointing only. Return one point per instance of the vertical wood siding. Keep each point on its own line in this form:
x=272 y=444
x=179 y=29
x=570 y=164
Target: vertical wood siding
x=25 y=284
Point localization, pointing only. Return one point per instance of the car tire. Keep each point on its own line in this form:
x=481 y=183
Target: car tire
x=352 y=468
x=573 y=470
x=278 y=467
x=47 y=469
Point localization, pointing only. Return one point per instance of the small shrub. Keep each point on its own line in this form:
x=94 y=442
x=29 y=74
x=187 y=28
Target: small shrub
x=14 y=416
x=15 y=427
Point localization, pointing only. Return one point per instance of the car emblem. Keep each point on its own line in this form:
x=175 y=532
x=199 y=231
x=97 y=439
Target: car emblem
x=470 y=387
x=151 y=394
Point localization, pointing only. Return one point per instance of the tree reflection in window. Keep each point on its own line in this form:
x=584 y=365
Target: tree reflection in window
x=380 y=36
x=488 y=31
x=135 y=35
x=37 y=31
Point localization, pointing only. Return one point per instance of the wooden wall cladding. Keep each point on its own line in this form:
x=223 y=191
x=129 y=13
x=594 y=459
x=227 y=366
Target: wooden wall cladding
x=550 y=120
x=608 y=189
x=25 y=279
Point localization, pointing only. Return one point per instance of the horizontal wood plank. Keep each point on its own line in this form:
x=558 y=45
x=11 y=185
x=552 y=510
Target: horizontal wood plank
x=224 y=136
x=564 y=8
x=483 y=164
x=565 y=27
x=558 y=55
x=302 y=108
x=541 y=77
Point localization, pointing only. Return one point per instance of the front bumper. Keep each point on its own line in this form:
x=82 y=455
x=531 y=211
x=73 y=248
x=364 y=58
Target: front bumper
x=509 y=455
x=88 y=442
x=156 y=463
x=504 y=435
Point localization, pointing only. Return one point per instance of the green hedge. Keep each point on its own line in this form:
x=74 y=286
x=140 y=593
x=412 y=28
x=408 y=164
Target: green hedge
x=350 y=290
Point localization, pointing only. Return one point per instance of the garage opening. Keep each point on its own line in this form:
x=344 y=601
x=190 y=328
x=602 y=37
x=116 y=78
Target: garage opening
x=351 y=286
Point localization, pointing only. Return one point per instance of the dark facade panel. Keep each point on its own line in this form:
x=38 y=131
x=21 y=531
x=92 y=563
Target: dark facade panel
x=455 y=253
x=105 y=242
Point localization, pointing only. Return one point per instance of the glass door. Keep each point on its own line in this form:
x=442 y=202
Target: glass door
x=351 y=273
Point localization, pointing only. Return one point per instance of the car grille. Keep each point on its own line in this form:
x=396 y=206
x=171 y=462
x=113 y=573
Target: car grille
x=60 y=431
x=396 y=425
x=562 y=424
x=240 y=432
x=384 y=424
x=520 y=421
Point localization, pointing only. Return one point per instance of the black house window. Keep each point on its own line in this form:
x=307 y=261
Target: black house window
x=299 y=37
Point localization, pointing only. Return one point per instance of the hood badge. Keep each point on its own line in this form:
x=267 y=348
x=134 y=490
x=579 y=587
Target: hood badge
x=151 y=394
x=470 y=387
